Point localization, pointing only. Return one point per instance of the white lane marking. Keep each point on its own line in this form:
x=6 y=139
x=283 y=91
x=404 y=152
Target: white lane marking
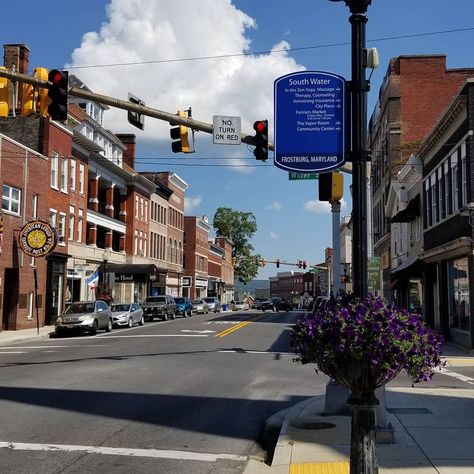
x=206 y=331
x=149 y=453
x=223 y=322
x=461 y=377
x=13 y=352
x=48 y=347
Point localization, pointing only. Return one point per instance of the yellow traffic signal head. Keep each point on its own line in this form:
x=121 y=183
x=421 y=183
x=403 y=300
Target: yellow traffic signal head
x=4 y=96
x=179 y=133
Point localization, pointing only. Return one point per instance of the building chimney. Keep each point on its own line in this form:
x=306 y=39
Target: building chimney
x=129 y=140
x=16 y=56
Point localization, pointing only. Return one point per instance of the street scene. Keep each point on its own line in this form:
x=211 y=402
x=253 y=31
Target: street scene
x=237 y=238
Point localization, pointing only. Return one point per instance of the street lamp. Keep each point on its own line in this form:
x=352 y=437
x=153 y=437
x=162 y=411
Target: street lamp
x=363 y=448
x=105 y=259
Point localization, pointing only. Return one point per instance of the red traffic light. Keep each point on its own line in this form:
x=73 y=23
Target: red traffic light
x=259 y=126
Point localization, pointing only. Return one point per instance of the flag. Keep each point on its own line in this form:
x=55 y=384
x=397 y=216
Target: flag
x=93 y=280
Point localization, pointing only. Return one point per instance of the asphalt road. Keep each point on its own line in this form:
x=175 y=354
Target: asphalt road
x=188 y=395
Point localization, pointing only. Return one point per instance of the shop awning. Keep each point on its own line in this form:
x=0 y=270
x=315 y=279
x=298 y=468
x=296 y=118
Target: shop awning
x=132 y=272
x=411 y=267
x=410 y=212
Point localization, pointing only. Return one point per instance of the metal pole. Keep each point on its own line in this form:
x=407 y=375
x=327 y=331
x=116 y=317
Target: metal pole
x=36 y=301
x=336 y=247
x=359 y=88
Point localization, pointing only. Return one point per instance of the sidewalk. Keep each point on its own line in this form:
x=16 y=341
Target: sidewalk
x=433 y=428
x=10 y=337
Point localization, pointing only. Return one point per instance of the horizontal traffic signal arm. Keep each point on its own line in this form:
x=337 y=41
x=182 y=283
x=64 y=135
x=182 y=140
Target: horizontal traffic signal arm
x=172 y=118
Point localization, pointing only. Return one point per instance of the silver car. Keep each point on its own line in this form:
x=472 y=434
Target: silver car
x=200 y=306
x=127 y=314
x=85 y=316
x=213 y=303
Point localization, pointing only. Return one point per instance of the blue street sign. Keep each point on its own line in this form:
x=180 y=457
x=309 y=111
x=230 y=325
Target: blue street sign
x=310 y=134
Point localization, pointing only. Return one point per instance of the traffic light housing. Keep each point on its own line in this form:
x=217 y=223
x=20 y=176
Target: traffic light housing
x=261 y=140
x=263 y=262
x=234 y=261
x=4 y=96
x=43 y=98
x=179 y=134
x=300 y=263
x=277 y=262
x=331 y=186
x=58 y=94
x=304 y=264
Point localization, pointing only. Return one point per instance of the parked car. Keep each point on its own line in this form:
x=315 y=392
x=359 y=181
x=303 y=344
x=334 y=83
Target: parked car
x=240 y=306
x=127 y=314
x=257 y=304
x=85 y=316
x=184 y=307
x=213 y=303
x=275 y=304
x=200 y=306
x=162 y=306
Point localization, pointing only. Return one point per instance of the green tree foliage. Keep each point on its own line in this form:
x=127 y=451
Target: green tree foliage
x=239 y=228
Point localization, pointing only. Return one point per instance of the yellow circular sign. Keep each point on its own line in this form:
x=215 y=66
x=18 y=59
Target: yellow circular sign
x=37 y=238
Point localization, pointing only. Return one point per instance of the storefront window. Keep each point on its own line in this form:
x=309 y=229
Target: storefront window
x=458 y=289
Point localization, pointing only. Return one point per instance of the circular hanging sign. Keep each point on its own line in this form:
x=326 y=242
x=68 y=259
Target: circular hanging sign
x=37 y=238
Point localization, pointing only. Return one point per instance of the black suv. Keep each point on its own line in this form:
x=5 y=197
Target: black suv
x=275 y=304
x=163 y=307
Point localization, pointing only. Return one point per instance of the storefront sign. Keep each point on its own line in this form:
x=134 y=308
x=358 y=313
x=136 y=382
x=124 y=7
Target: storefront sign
x=37 y=238
x=373 y=274
x=187 y=282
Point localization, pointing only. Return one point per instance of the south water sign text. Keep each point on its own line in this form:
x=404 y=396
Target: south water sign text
x=310 y=133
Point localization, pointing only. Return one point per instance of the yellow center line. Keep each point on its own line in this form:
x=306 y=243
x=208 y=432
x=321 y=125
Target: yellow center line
x=240 y=325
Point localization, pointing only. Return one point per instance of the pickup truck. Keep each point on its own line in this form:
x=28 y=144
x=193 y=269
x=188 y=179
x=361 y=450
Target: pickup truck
x=162 y=307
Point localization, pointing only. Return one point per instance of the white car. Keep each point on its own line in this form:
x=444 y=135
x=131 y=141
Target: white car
x=241 y=306
x=127 y=314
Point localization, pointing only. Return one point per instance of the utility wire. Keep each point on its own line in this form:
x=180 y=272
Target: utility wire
x=273 y=51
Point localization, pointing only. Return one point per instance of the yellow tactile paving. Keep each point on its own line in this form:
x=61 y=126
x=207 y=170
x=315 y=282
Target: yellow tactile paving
x=459 y=361
x=341 y=467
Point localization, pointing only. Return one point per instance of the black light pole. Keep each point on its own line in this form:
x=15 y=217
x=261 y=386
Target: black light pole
x=359 y=87
x=363 y=459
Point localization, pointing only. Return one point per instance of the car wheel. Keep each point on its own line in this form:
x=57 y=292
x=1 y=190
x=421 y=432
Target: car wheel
x=165 y=317
x=109 y=326
x=142 y=321
x=274 y=309
x=185 y=314
x=173 y=315
x=191 y=313
x=94 y=327
x=130 y=322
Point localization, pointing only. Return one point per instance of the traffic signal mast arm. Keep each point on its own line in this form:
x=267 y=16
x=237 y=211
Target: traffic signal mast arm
x=172 y=118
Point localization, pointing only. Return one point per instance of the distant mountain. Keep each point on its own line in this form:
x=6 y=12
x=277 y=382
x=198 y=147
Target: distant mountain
x=250 y=287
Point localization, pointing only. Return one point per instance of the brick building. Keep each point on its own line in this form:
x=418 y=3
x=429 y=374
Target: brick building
x=415 y=90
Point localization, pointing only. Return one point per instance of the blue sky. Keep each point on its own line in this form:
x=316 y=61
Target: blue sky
x=314 y=35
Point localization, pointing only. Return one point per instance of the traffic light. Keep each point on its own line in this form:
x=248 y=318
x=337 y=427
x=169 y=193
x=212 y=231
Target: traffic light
x=263 y=262
x=261 y=140
x=43 y=98
x=300 y=263
x=257 y=260
x=179 y=133
x=234 y=261
x=28 y=99
x=331 y=186
x=58 y=94
x=304 y=264
x=4 y=96
x=277 y=261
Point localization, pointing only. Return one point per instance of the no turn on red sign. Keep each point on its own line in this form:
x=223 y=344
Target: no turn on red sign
x=226 y=130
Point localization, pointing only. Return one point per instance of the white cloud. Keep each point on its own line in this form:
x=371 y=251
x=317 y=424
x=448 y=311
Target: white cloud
x=318 y=207
x=190 y=203
x=152 y=30
x=274 y=206
x=321 y=207
x=273 y=236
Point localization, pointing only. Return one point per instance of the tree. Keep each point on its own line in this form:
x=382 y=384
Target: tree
x=239 y=228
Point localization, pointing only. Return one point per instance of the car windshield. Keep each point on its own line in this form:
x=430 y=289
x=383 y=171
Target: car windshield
x=120 y=307
x=180 y=300
x=80 y=308
x=156 y=299
x=209 y=300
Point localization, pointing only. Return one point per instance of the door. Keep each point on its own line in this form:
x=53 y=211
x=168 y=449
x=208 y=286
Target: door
x=10 y=298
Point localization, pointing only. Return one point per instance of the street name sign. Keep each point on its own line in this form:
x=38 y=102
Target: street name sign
x=310 y=128
x=226 y=130
x=293 y=176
